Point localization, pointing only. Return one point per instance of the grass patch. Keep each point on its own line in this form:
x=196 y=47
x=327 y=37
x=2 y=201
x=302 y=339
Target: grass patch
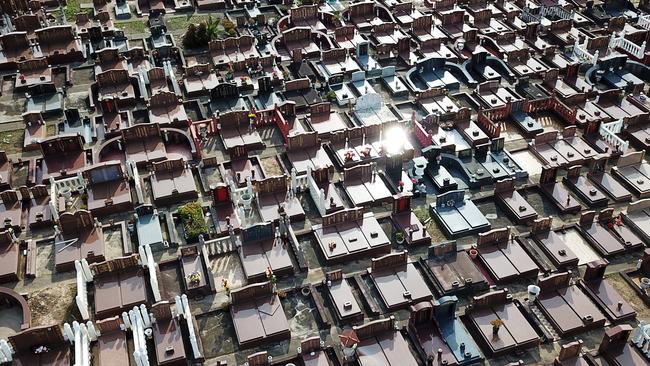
x=422 y=213
x=71 y=9
x=51 y=129
x=181 y=22
x=132 y=26
x=11 y=142
x=54 y=305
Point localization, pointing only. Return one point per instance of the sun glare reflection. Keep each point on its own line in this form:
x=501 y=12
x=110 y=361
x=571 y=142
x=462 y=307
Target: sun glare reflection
x=394 y=140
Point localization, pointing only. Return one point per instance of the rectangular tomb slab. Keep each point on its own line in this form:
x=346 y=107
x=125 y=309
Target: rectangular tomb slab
x=258 y=315
x=453 y=271
x=603 y=240
x=410 y=226
x=9 y=259
x=613 y=304
x=515 y=332
x=381 y=344
x=346 y=305
x=587 y=191
x=260 y=251
x=348 y=234
x=561 y=197
x=634 y=177
x=566 y=306
x=169 y=342
x=508 y=261
x=556 y=249
x=112 y=346
x=434 y=327
x=513 y=202
x=627 y=236
x=365 y=186
x=399 y=283
x=638 y=218
x=615 y=307
x=119 y=285
x=458 y=216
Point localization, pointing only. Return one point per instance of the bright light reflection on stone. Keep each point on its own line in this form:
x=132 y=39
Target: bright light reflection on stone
x=394 y=140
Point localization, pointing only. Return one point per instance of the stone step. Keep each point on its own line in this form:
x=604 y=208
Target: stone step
x=542 y=319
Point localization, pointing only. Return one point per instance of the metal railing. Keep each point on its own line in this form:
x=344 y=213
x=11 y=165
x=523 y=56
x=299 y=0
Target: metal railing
x=132 y=169
x=630 y=47
x=147 y=260
x=644 y=21
x=608 y=133
x=581 y=53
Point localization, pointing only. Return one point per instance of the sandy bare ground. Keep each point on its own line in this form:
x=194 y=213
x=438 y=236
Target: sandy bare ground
x=271 y=166
x=53 y=305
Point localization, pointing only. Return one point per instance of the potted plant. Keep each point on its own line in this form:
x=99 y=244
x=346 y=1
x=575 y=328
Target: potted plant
x=194 y=279
x=226 y=286
x=272 y=278
x=496 y=324
x=399 y=238
x=193 y=222
x=349 y=155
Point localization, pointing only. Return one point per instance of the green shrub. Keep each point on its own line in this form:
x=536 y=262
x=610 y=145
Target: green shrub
x=197 y=36
x=190 y=38
x=228 y=25
x=72 y=8
x=193 y=222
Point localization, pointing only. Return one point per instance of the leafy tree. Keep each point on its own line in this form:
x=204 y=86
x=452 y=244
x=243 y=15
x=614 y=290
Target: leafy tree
x=193 y=222
x=190 y=37
x=202 y=34
x=228 y=25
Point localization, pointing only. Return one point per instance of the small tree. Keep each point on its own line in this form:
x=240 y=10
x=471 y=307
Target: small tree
x=211 y=26
x=194 y=278
x=496 y=324
x=190 y=37
x=194 y=224
x=228 y=25
x=202 y=36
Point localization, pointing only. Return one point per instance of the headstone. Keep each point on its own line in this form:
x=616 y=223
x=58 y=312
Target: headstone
x=362 y=49
x=264 y=84
x=369 y=102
